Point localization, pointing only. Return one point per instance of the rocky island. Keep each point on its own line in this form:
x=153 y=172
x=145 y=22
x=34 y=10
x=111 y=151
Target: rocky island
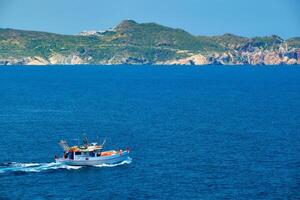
x=144 y=43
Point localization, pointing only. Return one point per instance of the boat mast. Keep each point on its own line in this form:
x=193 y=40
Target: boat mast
x=103 y=143
x=85 y=142
x=64 y=145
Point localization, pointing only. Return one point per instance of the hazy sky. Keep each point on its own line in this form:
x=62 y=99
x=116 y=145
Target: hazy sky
x=199 y=17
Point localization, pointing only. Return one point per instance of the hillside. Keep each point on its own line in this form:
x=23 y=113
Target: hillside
x=143 y=43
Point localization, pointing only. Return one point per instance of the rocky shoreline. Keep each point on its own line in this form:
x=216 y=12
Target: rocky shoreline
x=227 y=58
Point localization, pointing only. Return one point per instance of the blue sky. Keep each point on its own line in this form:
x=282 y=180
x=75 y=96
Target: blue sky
x=199 y=17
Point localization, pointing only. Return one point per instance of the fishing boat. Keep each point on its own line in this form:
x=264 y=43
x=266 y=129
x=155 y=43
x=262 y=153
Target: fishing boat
x=90 y=154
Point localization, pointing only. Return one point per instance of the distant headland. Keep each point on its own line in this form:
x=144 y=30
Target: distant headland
x=144 y=43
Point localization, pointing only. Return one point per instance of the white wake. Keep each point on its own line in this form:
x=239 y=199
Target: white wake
x=39 y=167
x=33 y=167
x=125 y=162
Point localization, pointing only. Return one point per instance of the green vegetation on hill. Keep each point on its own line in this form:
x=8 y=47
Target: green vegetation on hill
x=129 y=42
x=294 y=42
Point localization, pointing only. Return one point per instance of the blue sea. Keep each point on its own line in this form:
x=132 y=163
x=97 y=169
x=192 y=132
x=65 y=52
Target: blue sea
x=194 y=132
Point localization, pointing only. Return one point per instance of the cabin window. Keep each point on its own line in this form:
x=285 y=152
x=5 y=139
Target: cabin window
x=92 y=154
x=77 y=153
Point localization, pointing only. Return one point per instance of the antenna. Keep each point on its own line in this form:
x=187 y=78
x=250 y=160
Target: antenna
x=103 y=142
x=97 y=139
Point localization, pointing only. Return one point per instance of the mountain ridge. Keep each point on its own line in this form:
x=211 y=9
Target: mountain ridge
x=131 y=42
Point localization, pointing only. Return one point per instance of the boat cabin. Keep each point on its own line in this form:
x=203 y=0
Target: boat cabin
x=87 y=151
x=83 y=152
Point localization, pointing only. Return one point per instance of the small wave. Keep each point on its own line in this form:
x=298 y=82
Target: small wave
x=128 y=161
x=43 y=111
x=23 y=164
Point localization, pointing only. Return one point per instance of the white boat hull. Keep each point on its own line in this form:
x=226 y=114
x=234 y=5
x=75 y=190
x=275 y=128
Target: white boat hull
x=90 y=161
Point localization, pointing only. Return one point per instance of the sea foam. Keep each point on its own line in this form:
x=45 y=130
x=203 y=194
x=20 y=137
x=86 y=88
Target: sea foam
x=39 y=167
